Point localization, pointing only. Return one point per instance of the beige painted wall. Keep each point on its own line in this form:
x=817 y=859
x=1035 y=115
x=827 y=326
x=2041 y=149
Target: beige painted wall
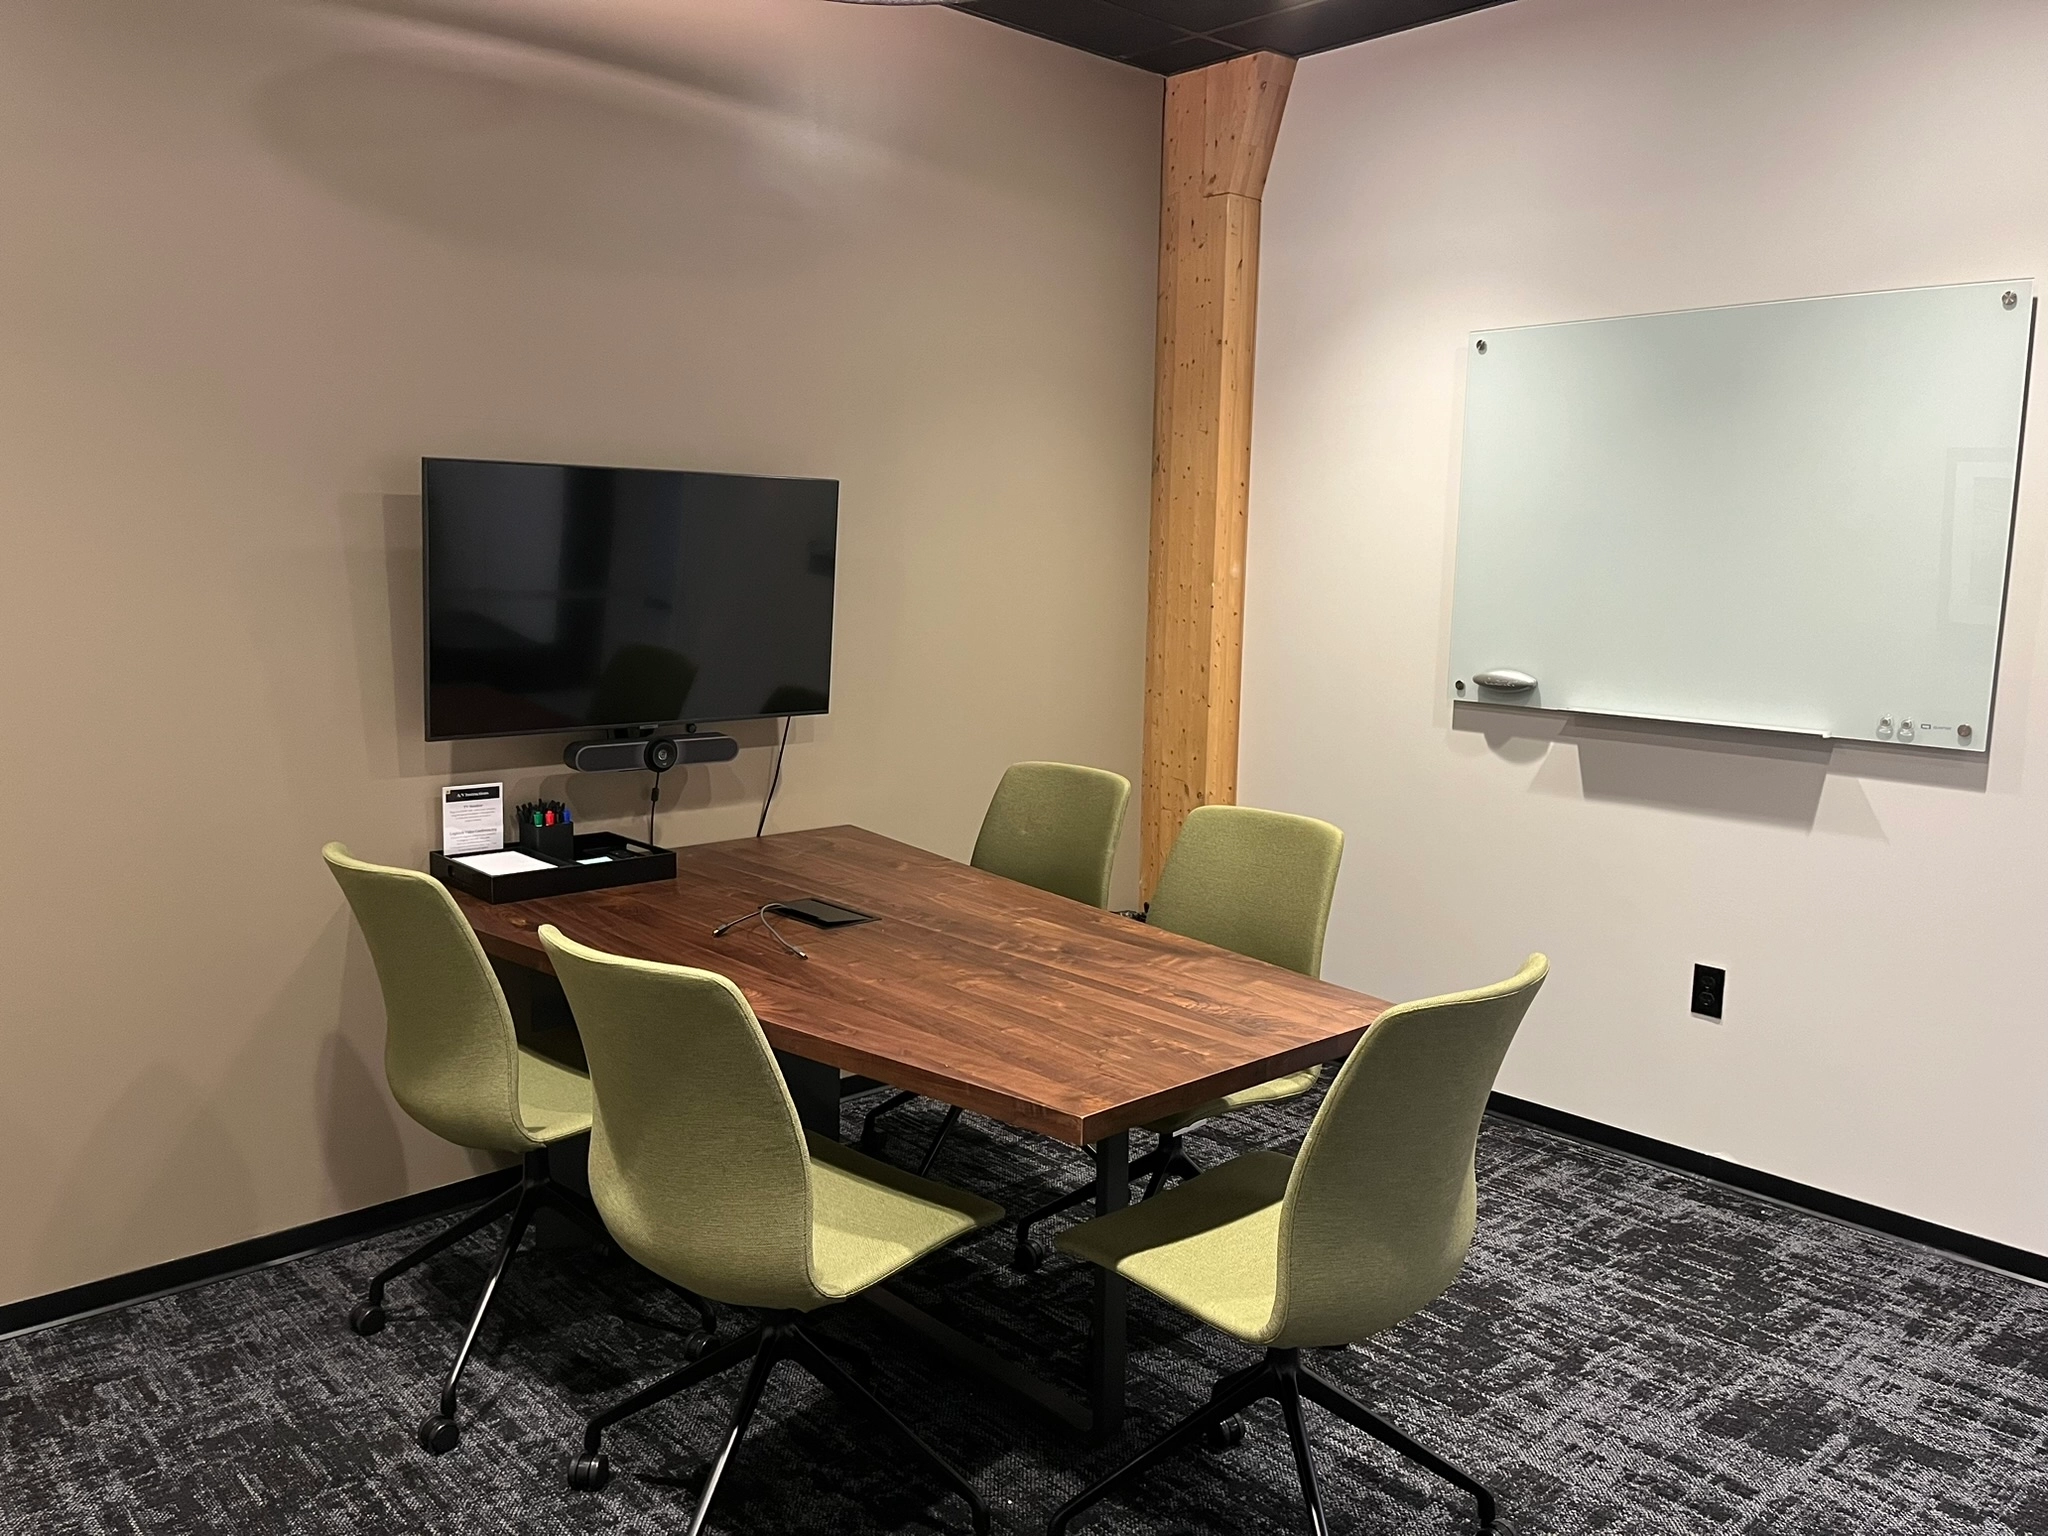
x=1881 y=919
x=257 y=258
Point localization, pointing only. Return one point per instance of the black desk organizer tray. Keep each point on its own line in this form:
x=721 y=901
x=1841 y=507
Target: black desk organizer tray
x=642 y=862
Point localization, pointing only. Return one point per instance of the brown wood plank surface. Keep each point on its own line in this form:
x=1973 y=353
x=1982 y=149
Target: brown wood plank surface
x=1220 y=128
x=1023 y=1006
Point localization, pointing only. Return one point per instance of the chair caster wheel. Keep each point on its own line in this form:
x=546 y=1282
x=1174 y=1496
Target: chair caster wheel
x=699 y=1346
x=1225 y=1436
x=1026 y=1259
x=588 y=1474
x=366 y=1318
x=439 y=1434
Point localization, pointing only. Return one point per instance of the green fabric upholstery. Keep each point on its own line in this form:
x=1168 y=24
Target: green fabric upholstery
x=1209 y=1246
x=1257 y=882
x=1280 y=1089
x=1055 y=826
x=1260 y=883
x=699 y=1164
x=1370 y=1222
x=451 y=1054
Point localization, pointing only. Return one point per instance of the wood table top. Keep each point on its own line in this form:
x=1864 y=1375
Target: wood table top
x=1032 y=1009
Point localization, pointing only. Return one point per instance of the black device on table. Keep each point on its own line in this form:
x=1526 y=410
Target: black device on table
x=820 y=913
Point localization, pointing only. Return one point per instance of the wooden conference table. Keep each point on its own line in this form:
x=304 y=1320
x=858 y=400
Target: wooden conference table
x=1028 y=1008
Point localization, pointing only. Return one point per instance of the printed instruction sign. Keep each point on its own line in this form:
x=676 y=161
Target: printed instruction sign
x=472 y=818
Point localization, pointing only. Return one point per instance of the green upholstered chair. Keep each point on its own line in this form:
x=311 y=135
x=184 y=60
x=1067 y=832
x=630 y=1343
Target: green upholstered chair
x=1365 y=1226
x=704 y=1174
x=1257 y=882
x=1055 y=826
x=1050 y=825
x=455 y=1065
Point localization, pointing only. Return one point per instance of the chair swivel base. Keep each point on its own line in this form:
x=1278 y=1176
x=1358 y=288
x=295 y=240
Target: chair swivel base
x=779 y=1337
x=1217 y=1426
x=439 y=1431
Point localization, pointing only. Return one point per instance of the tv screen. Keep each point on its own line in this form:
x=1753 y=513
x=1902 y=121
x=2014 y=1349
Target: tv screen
x=564 y=598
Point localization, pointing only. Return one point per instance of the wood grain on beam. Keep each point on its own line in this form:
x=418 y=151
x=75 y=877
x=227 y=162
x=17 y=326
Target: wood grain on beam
x=1221 y=123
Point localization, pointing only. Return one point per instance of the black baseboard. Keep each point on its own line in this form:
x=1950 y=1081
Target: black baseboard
x=238 y=1258
x=1980 y=1250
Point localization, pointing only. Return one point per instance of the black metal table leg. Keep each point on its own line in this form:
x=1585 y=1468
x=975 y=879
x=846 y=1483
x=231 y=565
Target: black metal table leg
x=1106 y=1328
x=815 y=1088
x=1101 y=1416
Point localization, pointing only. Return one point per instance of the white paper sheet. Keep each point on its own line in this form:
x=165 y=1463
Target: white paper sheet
x=510 y=862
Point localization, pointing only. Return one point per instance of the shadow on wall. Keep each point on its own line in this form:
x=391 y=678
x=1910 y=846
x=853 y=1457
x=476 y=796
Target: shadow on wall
x=937 y=101
x=1712 y=771
x=129 y=1186
x=359 y=1137
x=581 y=30
x=128 y=1196
x=611 y=177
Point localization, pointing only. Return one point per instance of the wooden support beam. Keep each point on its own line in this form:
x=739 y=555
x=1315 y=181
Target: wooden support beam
x=1221 y=123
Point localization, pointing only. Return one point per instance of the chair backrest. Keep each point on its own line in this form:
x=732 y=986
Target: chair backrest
x=451 y=1054
x=697 y=1159
x=1055 y=826
x=1379 y=1210
x=1257 y=882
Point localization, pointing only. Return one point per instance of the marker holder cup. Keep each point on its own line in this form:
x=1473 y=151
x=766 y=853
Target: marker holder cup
x=557 y=844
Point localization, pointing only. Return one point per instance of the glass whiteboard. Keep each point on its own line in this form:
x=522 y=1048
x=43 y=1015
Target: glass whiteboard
x=1789 y=517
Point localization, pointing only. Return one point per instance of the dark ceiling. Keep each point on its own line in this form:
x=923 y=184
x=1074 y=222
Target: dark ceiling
x=1168 y=36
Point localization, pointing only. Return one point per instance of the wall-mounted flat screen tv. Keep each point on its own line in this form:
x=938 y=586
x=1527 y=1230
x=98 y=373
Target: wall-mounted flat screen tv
x=563 y=597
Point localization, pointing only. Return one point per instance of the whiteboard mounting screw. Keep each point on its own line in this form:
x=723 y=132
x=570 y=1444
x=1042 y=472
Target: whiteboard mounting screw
x=1482 y=343
x=2009 y=299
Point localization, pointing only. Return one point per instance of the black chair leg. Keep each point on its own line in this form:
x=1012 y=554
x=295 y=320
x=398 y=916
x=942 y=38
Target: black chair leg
x=438 y=1431
x=777 y=1338
x=805 y=1352
x=854 y=1361
x=870 y=1132
x=1025 y=1258
x=772 y=1348
x=1260 y=1381
x=706 y=1313
x=945 y=1126
x=591 y=1470
x=1167 y=1160
x=1329 y=1395
x=368 y=1315
x=1297 y=1435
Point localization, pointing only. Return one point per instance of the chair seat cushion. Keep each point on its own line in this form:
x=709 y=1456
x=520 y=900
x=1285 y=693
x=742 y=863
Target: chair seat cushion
x=554 y=1100
x=1210 y=1246
x=1280 y=1088
x=869 y=1220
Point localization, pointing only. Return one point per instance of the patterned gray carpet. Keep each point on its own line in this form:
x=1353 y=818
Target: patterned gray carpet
x=1629 y=1350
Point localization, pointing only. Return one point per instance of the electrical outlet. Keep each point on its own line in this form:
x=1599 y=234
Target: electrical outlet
x=1709 y=985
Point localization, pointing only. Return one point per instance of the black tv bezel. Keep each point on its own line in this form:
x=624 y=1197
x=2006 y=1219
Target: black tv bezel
x=625 y=728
